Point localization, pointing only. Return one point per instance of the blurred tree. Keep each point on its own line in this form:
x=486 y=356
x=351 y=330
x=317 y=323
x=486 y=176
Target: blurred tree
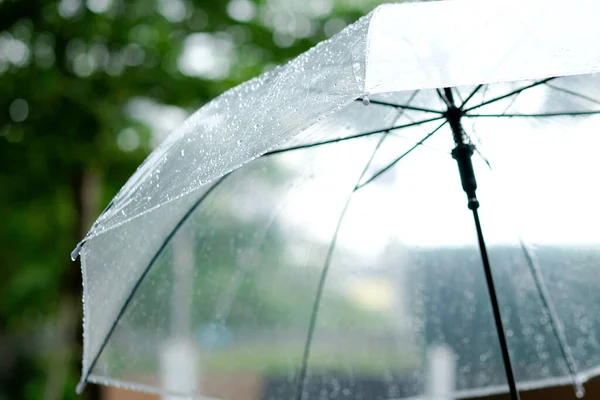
x=86 y=89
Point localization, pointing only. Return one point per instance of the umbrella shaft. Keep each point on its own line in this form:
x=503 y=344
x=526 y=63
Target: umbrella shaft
x=514 y=394
x=463 y=153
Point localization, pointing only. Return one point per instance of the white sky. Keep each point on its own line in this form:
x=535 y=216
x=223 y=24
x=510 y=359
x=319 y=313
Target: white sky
x=543 y=187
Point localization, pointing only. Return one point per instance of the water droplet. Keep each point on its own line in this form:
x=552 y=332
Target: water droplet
x=182 y=152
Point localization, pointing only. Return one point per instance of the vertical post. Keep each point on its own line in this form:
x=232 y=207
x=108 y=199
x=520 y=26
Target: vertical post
x=441 y=373
x=178 y=364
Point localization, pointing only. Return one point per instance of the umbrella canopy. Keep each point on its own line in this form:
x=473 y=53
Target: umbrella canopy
x=306 y=232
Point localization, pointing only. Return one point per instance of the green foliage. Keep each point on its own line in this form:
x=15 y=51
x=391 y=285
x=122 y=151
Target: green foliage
x=69 y=71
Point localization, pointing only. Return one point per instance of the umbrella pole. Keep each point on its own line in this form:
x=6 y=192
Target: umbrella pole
x=462 y=153
x=514 y=393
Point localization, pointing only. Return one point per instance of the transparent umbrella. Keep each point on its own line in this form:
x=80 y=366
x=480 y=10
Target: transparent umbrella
x=306 y=234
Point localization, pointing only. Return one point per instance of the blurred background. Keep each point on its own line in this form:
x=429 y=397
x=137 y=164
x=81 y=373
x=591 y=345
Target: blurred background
x=87 y=90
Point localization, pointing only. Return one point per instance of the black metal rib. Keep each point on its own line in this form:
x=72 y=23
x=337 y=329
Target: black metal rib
x=364 y=171
x=83 y=381
x=419 y=143
x=414 y=141
x=540 y=115
x=512 y=101
x=470 y=96
x=574 y=94
x=315 y=311
x=306 y=146
x=444 y=99
x=514 y=92
x=404 y=106
x=404 y=137
x=557 y=327
x=476 y=148
x=484 y=158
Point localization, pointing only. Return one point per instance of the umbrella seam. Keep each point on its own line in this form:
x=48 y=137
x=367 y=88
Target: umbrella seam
x=368 y=44
x=339 y=105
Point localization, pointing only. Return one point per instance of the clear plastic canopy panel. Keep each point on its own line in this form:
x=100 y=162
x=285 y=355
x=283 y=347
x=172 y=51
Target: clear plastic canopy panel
x=304 y=271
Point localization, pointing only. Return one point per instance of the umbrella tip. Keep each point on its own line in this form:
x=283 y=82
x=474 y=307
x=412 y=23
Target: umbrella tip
x=365 y=100
x=579 y=389
x=80 y=387
x=76 y=251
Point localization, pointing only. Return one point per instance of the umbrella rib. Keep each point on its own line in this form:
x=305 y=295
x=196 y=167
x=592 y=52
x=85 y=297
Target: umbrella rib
x=422 y=144
x=476 y=148
x=390 y=165
x=444 y=99
x=475 y=121
x=364 y=171
x=557 y=327
x=450 y=97
x=306 y=146
x=403 y=106
x=484 y=158
x=321 y=287
x=399 y=136
x=573 y=93
x=382 y=139
x=514 y=92
x=82 y=383
x=470 y=96
x=413 y=141
x=534 y=115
